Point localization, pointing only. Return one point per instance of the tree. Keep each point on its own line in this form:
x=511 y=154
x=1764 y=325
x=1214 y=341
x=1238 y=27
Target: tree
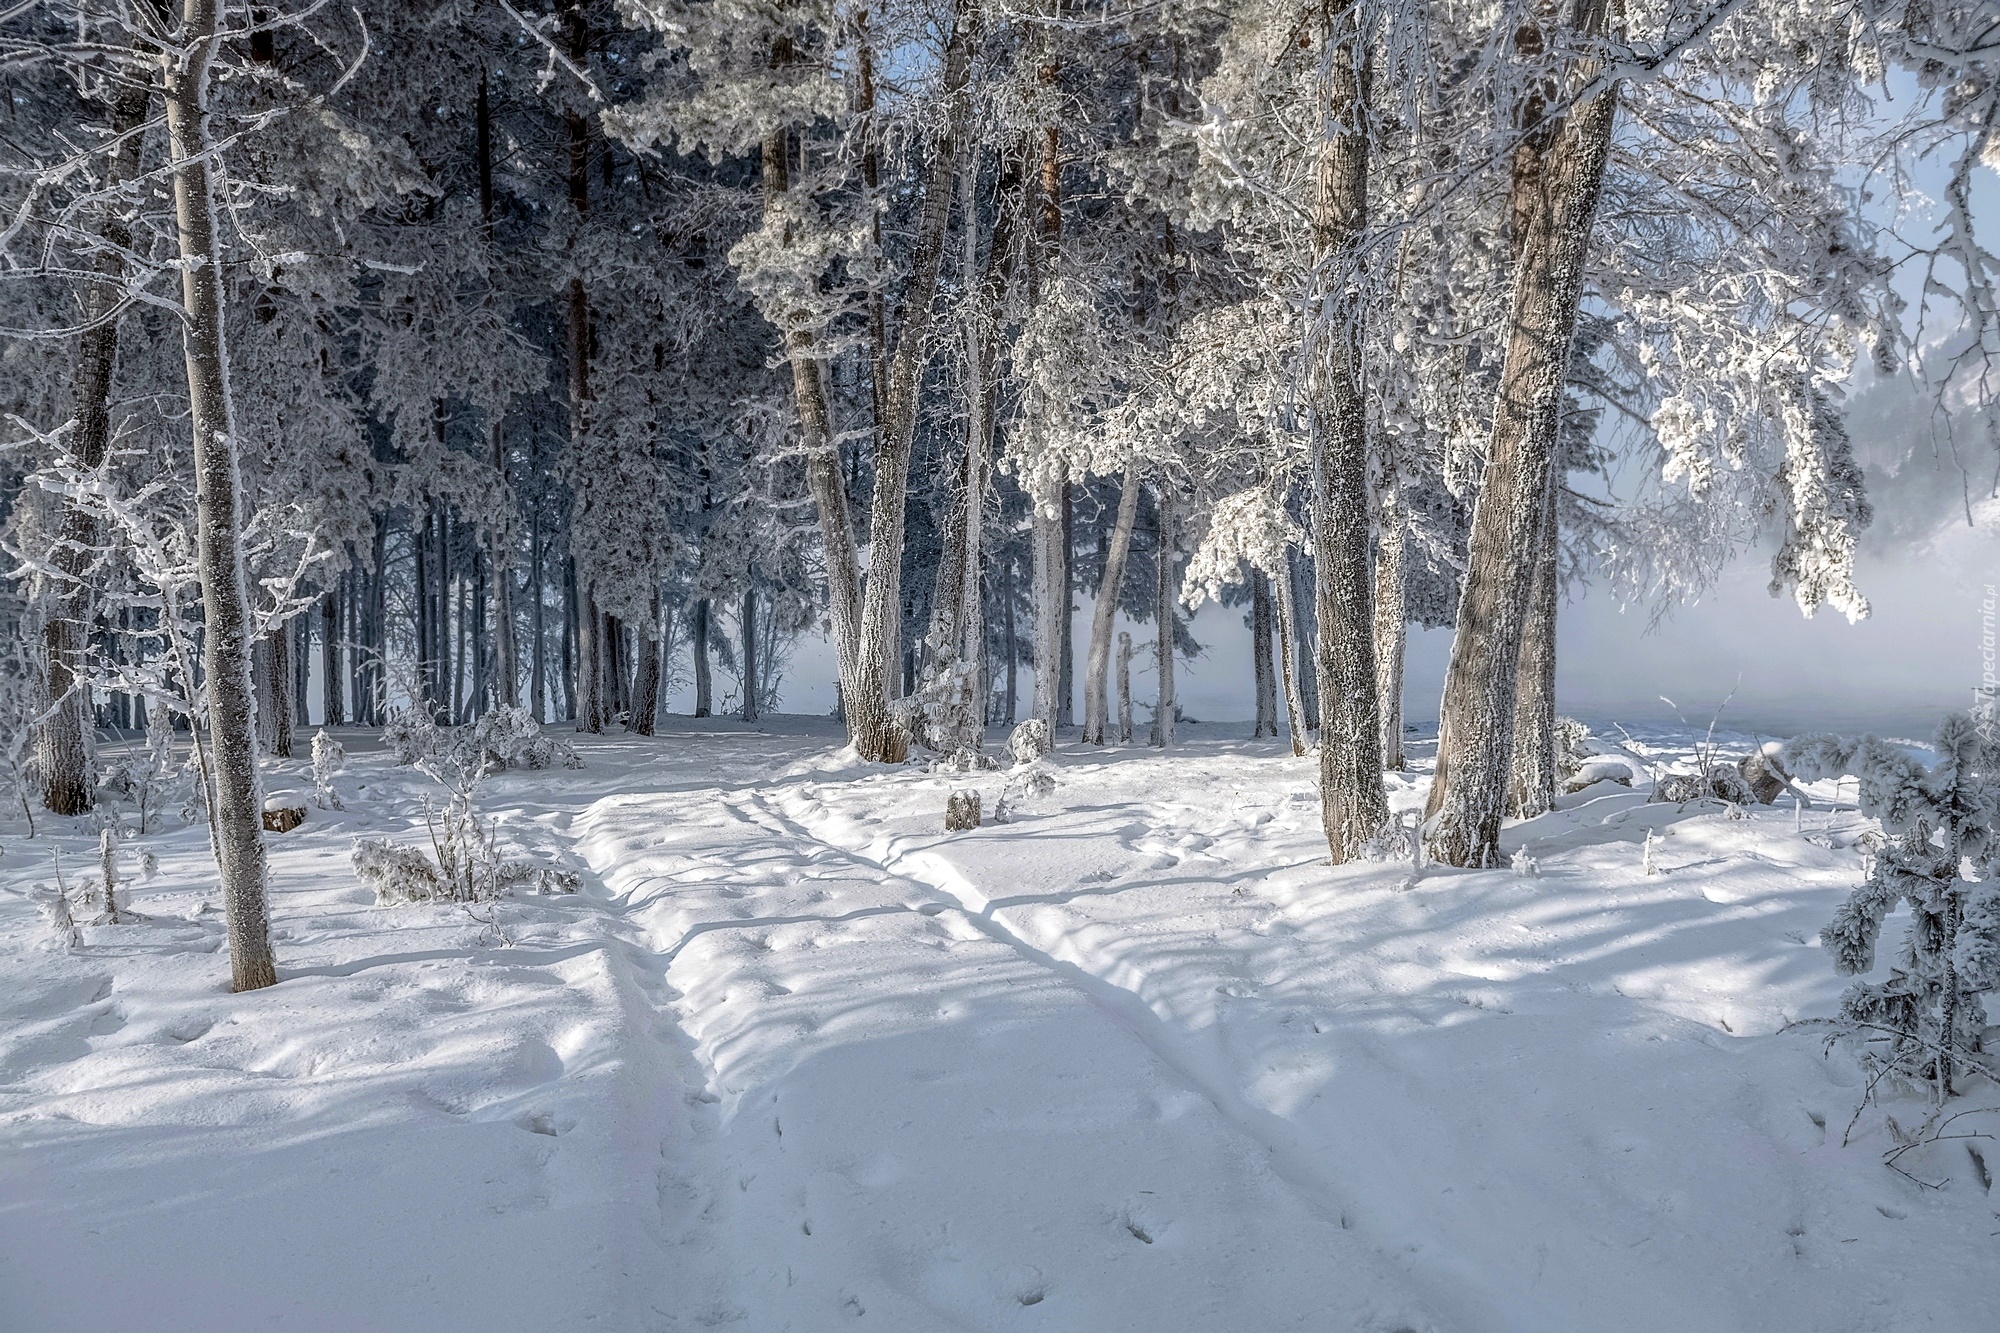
x=237 y=791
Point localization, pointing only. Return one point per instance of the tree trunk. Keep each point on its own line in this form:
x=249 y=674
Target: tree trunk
x=1391 y=621
x=646 y=693
x=749 y=654
x=822 y=458
x=538 y=616
x=62 y=755
x=333 y=676
x=1010 y=645
x=1124 y=688
x=1293 y=608
x=571 y=619
x=703 y=698
x=280 y=681
x=1066 y=608
x=870 y=723
x=1104 y=614
x=1557 y=201
x=302 y=671
x=1045 y=532
x=1353 y=807
x=236 y=801
x=1163 y=615
x=1534 y=780
x=1290 y=636
x=1260 y=656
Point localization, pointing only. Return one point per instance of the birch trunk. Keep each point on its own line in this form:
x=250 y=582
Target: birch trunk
x=236 y=802
x=62 y=756
x=1260 y=657
x=1163 y=615
x=1105 y=613
x=1391 y=622
x=1353 y=807
x=1557 y=204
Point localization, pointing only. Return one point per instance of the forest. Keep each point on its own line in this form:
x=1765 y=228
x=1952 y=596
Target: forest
x=438 y=437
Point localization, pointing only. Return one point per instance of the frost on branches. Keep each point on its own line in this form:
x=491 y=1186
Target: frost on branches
x=1922 y=1023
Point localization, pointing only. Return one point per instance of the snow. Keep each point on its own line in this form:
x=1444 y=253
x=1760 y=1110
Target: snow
x=795 y=1058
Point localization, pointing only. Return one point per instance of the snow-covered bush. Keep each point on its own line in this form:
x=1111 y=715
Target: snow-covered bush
x=509 y=737
x=1723 y=782
x=329 y=756
x=1029 y=741
x=503 y=738
x=1924 y=1021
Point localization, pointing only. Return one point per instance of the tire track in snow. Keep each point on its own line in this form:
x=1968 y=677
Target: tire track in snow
x=1288 y=1156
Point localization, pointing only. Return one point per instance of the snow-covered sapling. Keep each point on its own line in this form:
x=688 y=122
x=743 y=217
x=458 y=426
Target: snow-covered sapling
x=329 y=756
x=55 y=910
x=1646 y=855
x=1525 y=865
x=1924 y=1021
x=107 y=852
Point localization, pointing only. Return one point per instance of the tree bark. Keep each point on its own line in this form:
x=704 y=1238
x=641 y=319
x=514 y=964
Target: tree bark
x=1391 y=621
x=1260 y=657
x=1066 y=608
x=870 y=723
x=506 y=653
x=703 y=697
x=1290 y=636
x=1557 y=204
x=822 y=457
x=1045 y=533
x=237 y=798
x=62 y=755
x=333 y=710
x=1124 y=688
x=1353 y=807
x=1296 y=596
x=1104 y=614
x=646 y=692
x=1534 y=778
x=1010 y=645
x=538 y=615
x=749 y=654
x=1163 y=614
x=280 y=680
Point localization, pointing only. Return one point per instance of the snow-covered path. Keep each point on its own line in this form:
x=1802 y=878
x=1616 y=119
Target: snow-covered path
x=1136 y=1060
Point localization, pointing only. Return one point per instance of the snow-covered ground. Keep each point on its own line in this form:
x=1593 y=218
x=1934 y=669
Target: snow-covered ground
x=795 y=1059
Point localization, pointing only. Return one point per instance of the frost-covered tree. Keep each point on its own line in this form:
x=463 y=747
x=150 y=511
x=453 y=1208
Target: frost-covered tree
x=1924 y=1021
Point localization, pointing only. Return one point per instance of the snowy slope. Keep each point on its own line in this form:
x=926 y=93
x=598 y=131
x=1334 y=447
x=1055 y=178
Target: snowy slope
x=1138 y=1060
